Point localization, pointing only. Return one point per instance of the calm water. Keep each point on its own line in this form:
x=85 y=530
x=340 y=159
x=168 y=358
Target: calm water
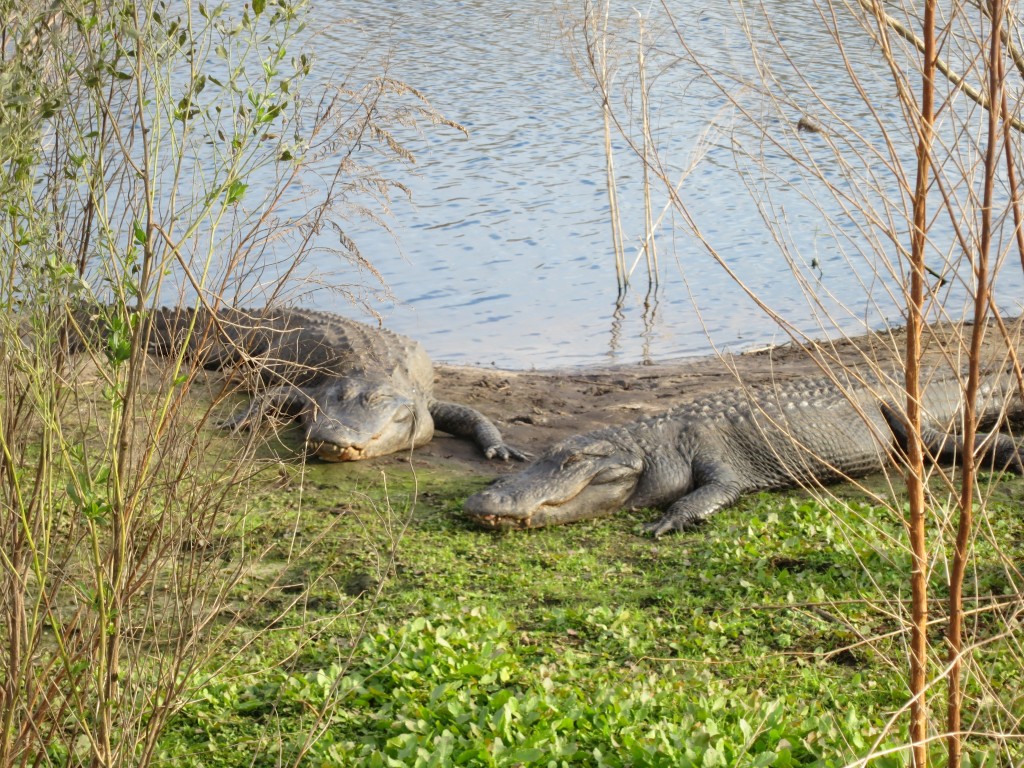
x=504 y=255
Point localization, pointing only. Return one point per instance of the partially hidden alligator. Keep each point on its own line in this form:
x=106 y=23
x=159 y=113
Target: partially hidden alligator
x=358 y=391
x=698 y=458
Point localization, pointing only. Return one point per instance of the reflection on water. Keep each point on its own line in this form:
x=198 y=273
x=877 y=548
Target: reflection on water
x=648 y=320
x=504 y=254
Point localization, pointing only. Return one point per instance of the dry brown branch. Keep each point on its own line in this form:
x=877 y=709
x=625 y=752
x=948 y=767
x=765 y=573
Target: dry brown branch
x=942 y=66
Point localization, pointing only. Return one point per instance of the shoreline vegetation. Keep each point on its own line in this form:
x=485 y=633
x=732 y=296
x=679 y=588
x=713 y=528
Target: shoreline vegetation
x=766 y=637
x=400 y=634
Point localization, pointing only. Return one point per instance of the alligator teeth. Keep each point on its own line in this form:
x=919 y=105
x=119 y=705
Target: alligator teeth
x=497 y=521
x=329 y=452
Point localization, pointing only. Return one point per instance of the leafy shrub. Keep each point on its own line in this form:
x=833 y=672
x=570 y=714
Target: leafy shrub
x=460 y=689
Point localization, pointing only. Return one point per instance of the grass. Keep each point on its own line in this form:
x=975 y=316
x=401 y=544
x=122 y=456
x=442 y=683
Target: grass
x=740 y=643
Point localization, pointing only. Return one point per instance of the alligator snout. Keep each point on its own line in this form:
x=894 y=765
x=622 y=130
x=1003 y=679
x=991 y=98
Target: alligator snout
x=494 y=510
x=335 y=438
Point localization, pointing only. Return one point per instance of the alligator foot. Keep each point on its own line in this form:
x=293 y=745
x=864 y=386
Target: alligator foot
x=262 y=406
x=252 y=414
x=672 y=524
x=504 y=451
x=463 y=421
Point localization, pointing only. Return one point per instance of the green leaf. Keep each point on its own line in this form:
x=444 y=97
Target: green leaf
x=526 y=755
x=140 y=233
x=712 y=758
x=258 y=6
x=119 y=341
x=746 y=730
x=236 y=191
x=764 y=759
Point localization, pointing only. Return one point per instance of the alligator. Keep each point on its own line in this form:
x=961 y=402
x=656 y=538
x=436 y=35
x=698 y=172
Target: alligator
x=358 y=391
x=701 y=457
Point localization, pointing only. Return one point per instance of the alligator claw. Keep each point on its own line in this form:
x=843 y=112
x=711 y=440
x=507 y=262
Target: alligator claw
x=238 y=422
x=671 y=524
x=658 y=529
x=506 y=452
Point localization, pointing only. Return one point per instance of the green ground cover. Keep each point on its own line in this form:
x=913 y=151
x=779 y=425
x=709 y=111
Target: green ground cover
x=768 y=637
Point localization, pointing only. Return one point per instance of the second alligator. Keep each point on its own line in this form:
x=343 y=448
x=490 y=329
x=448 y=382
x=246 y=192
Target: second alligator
x=698 y=458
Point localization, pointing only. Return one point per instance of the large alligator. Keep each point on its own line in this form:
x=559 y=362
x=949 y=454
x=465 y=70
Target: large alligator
x=358 y=391
x=698 y=458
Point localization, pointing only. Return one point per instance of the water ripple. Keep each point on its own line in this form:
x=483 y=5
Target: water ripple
x=504 y=256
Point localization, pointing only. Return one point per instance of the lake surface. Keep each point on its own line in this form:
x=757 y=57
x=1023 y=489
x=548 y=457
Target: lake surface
x=504 y=255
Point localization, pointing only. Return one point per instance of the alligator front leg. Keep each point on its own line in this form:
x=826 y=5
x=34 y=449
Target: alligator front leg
x=463 y=421
x=718 y=486
x=284 y=398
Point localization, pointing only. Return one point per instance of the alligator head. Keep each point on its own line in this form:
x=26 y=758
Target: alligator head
x=582 y=477
x=353 y=419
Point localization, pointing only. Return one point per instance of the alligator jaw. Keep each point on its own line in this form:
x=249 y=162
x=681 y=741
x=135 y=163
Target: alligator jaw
x=543 y=515
x=492 y=508
x=363 y=420
x=498 y=521
x=332 y=452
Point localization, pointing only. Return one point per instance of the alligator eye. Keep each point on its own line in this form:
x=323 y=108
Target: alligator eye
x=612 y=475
x=374 y=398
x=571 y=459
